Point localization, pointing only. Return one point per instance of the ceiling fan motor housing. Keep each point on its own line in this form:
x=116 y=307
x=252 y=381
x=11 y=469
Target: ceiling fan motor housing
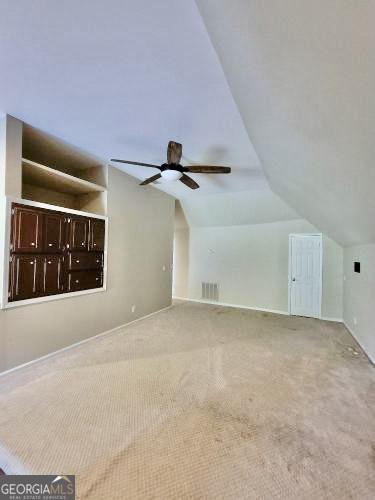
x=171 y=172
x=171 y=166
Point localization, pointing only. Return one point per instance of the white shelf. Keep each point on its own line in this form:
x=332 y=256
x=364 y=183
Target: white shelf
x=39 y=175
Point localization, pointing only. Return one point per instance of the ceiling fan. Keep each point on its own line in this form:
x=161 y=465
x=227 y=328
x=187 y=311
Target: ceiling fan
x=173 y=170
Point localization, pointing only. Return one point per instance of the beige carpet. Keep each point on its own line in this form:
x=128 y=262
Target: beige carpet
x=200 y=402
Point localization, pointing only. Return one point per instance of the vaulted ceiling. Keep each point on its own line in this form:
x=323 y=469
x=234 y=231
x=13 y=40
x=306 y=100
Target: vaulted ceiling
x=280 y=90
x=303 y=76
x=120 y=79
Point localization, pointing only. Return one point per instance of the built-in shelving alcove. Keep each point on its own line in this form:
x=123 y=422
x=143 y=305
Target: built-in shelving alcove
x=54 y=172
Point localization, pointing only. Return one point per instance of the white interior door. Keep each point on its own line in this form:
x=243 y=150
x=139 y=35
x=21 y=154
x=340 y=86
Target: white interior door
x=305 y=275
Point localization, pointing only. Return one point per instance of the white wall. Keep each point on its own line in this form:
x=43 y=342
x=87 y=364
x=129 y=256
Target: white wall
x=181 y=262
x=140 y=244
x=250 y=263
x=359 y=295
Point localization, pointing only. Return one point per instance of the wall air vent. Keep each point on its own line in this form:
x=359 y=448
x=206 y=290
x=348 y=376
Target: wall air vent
x=210 y=291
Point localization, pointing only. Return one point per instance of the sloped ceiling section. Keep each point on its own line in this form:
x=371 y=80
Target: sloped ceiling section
x=303 y=76
x=259 y=206
x=120 y=79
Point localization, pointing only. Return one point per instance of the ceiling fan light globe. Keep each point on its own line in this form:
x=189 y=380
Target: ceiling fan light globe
x=171 y=175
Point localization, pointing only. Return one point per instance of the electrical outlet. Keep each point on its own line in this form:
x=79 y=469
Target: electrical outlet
x=133 y=308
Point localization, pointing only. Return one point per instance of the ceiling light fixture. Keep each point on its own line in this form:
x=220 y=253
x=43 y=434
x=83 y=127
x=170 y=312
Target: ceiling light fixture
x=171 y=175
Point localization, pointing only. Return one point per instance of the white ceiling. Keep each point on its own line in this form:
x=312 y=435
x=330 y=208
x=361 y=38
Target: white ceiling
x=303 y=76
x=258 y=206
x=121 y=78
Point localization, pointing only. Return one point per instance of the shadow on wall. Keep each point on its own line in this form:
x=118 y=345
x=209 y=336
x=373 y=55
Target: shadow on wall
x=180 y=253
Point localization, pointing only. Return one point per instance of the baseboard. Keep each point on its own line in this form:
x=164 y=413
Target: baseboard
x=89 y=339
x=335 y=320
x=262 y=309
x=370 y=358
x=237 y=306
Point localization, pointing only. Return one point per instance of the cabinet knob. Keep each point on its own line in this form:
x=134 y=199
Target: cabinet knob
x=97 y=279
x=49 y=262
x=77 y=261
x=50 y=244
x=32 y=244
x=77 y=281
x=97 y=260
x=32 y=263
x=83 y=243
x=94 y=244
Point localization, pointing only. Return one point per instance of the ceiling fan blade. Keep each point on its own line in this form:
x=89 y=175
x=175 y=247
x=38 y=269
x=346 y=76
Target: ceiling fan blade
x=174 y=152
x=207 y=169
x=189 y=182
x=150 y=179
x=137 y=163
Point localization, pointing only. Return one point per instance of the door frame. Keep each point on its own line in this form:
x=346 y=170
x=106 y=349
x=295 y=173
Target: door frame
x=293 y=235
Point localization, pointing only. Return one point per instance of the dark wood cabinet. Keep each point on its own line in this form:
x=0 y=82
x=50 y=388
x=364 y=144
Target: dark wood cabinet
x=78 y=233
x=27 y=230
x=54 y=252
x=84 y=280
x=97 y=235
x=52 y=274
x=80 y=261
x=54 y=233
x=25 y=275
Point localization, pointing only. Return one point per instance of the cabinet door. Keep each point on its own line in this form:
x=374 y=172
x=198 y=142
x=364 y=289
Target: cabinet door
x=54 y=225
x=25 y=277
x=85 y=260
x=97 y=234
x=27 y=227
x=52 y=274
x=78 y=233
x=84 y=280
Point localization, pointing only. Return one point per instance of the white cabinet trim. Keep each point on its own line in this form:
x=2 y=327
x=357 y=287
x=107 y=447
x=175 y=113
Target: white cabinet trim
x=5 y=304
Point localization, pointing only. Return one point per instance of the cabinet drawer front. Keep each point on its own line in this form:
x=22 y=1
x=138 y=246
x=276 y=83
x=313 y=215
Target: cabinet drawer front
x=79 y=261
x=84 y=280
